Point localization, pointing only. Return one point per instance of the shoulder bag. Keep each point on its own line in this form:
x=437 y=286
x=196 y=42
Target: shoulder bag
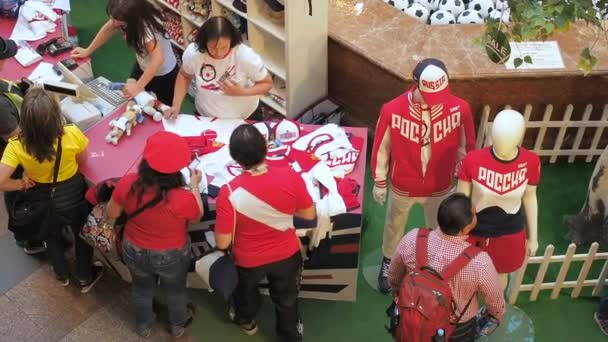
x=104 y=233
x=33 y=209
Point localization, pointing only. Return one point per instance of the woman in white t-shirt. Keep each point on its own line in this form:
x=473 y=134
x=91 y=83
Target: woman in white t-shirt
x=140 y=24
x=230 y=76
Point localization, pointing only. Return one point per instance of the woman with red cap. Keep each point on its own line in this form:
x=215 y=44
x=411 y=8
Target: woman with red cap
x=156 y=243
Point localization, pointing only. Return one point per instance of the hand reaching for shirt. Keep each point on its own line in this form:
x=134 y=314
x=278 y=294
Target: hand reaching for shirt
x=171 y=113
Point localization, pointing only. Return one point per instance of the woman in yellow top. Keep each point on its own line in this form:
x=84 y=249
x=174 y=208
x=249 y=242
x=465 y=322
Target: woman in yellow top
x=35 y=149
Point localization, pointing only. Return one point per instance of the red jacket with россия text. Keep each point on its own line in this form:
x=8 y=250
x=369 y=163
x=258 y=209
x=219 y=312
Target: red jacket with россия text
x=398 y=144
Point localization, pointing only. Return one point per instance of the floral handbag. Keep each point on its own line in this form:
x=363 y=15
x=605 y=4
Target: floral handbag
x=100 y=231
x=104 y=233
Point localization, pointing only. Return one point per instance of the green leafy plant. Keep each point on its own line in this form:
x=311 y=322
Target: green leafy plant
x=539 y=20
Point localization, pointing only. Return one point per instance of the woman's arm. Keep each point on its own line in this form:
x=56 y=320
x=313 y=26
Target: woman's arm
x=156 y=60
x=182 y=83
x=104 y=34
x=307 y=214
x=195 y=181
x=223 y=241
x=9 y=184
x=113 y=209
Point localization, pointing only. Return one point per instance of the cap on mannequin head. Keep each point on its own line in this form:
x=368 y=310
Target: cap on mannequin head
x=507 y=133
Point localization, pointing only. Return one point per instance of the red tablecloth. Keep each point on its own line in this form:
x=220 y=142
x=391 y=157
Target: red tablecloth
x=11 y=69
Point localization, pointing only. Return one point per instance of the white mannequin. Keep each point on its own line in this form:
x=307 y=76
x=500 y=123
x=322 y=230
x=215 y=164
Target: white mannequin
x=507 y=134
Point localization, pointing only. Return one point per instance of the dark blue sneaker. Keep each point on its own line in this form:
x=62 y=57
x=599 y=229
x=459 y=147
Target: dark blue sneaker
x=383 y=285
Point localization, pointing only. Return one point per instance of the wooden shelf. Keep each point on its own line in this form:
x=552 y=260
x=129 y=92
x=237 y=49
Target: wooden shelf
x=270 y=49
x=166 y=4
x=273 y=104
x=266 y=25
x=228 y=4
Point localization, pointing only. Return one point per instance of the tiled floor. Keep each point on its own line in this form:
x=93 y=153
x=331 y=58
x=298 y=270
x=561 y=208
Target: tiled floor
x=34 y=307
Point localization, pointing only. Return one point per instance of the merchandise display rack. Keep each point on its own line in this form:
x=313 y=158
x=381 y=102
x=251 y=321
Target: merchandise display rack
x=295 y=53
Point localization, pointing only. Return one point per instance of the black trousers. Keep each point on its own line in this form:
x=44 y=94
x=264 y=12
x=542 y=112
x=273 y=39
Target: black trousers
x=163 y=86
x=284 y=278
x=465 y=332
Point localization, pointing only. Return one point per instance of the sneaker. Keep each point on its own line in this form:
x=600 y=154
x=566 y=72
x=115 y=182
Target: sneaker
x=249 y=328
x=65 y=281
x=86 y=286
x=31 y=247
x=602 y=323
x=178 y=332
x=383 y=285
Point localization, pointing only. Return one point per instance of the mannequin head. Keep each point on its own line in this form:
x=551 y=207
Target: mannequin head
x=507 y=133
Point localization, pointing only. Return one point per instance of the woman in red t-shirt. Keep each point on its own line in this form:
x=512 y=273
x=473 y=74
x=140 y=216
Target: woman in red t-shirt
x=258 y=207
x=156 y=243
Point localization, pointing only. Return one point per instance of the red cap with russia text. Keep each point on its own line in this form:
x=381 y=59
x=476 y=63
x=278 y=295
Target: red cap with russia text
x=167 y=152
x=431 y=78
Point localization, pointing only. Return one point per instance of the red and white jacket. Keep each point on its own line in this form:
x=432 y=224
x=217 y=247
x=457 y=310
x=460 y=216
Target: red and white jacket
x=398 y=144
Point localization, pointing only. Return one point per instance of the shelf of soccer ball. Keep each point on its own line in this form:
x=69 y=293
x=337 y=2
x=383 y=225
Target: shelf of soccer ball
x=442 y=12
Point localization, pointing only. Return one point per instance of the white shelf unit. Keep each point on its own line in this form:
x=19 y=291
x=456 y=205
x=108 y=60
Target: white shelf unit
x=295 y=52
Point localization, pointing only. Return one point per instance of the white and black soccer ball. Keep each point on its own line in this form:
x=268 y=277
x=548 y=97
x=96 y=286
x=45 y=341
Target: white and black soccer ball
x=498 y=15
x=418 y=11
x=470 y=17
x=401 y=4
x=453 y=6
x=442 y=17
x=431 y=5
x=484 y=7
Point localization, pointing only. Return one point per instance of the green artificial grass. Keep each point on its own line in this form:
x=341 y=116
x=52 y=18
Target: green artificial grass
x=562 y=191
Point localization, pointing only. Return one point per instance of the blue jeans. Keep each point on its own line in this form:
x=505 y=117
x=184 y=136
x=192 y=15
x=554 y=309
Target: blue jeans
x=171 y=266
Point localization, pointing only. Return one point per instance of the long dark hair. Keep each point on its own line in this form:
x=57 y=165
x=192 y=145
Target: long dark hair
x=41 y=124
x=215 y=28
x=140 y=16
x=149 y=179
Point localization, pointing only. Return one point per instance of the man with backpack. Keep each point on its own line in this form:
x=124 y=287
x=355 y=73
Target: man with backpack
x=437 y=277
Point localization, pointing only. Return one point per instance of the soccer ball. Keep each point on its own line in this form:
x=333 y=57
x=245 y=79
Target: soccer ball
x=431 y=5
x=504 y=16
x=470 y=17
x=453 y=6
x=442 y=17
x=418 y=11
x=484 y=7
x=401 y=4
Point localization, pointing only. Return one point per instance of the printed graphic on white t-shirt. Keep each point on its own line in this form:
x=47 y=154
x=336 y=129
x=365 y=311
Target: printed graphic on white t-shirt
x=242 y=66
x=165 y=47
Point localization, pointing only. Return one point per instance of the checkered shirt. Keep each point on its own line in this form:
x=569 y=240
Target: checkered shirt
x=479 y=276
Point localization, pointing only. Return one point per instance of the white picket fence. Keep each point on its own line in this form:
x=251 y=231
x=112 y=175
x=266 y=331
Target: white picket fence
x=484 y=136
x=516 y=285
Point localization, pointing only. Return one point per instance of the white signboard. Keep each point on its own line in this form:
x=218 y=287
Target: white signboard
x=545 y=55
